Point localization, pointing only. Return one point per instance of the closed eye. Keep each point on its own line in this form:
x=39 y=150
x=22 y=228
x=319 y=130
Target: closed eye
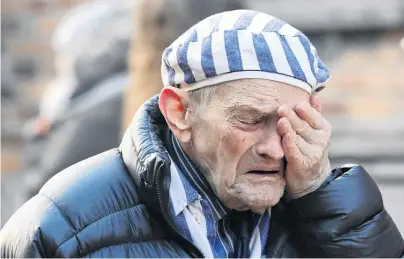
x=251 y=122
x=248 y=116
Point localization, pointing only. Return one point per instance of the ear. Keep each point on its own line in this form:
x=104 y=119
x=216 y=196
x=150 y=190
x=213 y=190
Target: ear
x=173 y=103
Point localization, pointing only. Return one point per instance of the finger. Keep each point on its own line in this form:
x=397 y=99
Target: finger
x=310 y=115
x=284 y=126
x=315 y=103
x=292 y=152
x=300 y=126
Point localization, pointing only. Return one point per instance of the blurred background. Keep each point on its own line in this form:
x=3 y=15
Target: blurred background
x=73 y=73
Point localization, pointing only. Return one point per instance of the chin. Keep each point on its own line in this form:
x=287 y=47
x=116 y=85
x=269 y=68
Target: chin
x=270 y=199
x=246 y=196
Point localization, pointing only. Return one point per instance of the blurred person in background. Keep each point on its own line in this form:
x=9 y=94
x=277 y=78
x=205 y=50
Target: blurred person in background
x=157 y=24
x=83 y=104
x=230 y=160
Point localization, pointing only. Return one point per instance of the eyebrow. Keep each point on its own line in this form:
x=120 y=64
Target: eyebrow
x=237 y=110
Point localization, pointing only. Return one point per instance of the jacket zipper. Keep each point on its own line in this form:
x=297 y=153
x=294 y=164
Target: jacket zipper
x=168 y=220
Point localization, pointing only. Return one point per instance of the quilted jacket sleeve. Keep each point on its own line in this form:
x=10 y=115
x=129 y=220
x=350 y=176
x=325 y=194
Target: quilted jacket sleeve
x=345 y=217
x=23 y=237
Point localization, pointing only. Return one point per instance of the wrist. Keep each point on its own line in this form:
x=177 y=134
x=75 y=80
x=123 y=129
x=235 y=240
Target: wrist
x=314 y=184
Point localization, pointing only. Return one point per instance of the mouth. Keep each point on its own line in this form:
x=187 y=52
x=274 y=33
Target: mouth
x=262 y=172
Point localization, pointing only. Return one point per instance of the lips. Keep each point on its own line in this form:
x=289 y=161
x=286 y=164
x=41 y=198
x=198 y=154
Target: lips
x=263 y=172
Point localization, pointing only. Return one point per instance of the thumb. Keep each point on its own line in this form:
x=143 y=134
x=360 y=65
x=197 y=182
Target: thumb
x=315 y=103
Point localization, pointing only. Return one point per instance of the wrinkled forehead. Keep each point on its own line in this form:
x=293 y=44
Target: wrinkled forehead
x=260 y=94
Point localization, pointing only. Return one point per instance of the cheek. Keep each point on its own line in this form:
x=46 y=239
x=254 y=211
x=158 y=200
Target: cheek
x=208 y=139
x=205 y=142
x=234 y=143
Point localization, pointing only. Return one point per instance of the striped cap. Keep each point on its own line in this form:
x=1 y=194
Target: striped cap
x=242 y=44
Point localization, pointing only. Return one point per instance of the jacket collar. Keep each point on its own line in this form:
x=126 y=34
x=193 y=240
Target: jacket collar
x=145 y=156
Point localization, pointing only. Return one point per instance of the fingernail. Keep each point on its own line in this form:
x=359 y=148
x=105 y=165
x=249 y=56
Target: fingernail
x=281 y=110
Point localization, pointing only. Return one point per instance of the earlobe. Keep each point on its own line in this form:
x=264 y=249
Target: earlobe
x=173 y=105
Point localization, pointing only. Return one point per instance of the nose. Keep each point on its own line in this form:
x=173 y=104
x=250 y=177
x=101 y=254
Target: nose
x=270 y=147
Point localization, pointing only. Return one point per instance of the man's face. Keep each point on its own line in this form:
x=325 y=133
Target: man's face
x=235 y=141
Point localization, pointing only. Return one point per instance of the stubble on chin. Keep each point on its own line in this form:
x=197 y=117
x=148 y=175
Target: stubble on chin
x=244 y=195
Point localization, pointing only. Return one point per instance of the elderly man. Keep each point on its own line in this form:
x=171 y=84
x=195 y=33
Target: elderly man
x=230 y=160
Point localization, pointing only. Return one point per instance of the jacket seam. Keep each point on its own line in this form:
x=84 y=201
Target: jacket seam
x=330 y=241
x=124 y=243
x=357 y=226
x=324 y=243
x=80 y=230
x=36 y=249
x=60 y=210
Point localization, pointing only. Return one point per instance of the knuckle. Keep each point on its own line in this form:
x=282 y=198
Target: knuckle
x=317 y=157
x=299 y=141
x=315 y=124
x=303 y=128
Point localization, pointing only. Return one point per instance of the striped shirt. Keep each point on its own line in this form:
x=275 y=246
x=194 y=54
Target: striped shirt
x=202 y=218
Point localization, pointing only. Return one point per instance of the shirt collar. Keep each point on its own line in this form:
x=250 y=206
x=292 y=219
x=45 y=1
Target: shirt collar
x=181 y=192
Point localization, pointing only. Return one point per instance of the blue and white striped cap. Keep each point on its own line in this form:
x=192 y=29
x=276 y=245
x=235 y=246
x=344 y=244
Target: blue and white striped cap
x=242 y=44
